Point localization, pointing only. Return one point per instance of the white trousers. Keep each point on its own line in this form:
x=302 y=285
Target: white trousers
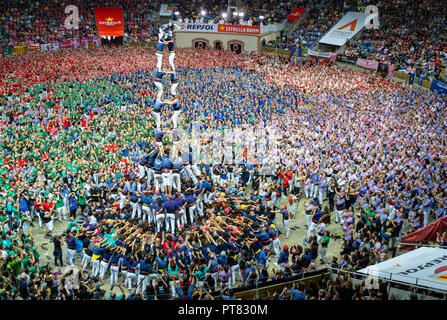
x=143 y=281
x=313 y=190
x=215 y=178
x=149 y=175
x=172 y=287
x=160 y=90
x=122 y=200
x=210 y=197
x=199 y=205
x=276 y=247
x=323 y=253
x=170 y=222
x=235 y=272
x=95 y=267
x=321 y=196
x=195 y=170
x=175 y=179
x=307 y=192
x=160 y=219
x=167 y=179
x=103 y=269
x=141 y=171
x=286 y=228
x=192 y=211
x=171 y=60
x=158 y=179
x=70 y=256
x=131 y=276
x=61 y=213
x=86 y=260
x=188 y=172
x=426 y=216
x=311 y=229
x=136 y=209
x=114 y=275
x=338 y=216
x=148 y=214
x=159 y=60
x=181 y=219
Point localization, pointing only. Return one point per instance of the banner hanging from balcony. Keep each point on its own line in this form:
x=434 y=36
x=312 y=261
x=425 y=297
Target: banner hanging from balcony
x=296 y=14
x=109 y=21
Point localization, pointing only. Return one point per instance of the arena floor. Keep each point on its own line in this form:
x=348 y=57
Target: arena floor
x=297 y=233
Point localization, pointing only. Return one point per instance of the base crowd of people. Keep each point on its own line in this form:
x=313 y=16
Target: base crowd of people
x=188 y=212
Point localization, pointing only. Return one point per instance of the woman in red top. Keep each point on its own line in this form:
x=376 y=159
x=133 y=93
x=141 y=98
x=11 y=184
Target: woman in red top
x=66 y=123
x=38 y=207
x=285 y=186
x=83 y=123
x=47 y=218
x=289 y=177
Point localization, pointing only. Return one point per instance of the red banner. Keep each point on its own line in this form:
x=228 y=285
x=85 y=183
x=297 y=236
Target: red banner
x=426 y=234
x=109 y=21
x=296 y=14
x=34 y=46
x=369 y=64
x=239 y=29
x=66 y=44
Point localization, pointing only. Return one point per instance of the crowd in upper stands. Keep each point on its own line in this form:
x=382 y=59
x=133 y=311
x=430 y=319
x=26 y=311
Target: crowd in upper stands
x=26 y=21
x=414 y=41
x=23 y=21
x=254 y=12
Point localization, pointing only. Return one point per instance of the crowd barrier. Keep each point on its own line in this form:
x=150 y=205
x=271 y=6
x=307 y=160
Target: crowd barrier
x=48 y=47
x=263 y=289
x=283 y=52
x=357 y=277
x=388 y=69
x=384 y=69
x=405 y=76
x=150 y=44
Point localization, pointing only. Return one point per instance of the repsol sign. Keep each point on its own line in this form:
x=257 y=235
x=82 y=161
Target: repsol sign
x=198 y=27
x=423 y=266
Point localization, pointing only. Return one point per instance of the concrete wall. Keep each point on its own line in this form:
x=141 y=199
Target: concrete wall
x=247 y=42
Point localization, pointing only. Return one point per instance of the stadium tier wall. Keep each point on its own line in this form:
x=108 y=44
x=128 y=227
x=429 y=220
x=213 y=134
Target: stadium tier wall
x=227 y=40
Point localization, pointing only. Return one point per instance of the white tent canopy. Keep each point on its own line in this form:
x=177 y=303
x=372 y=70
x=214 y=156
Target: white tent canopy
x=423 y=267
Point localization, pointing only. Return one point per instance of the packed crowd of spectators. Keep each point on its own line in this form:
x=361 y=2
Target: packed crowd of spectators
x=24 y=21
x=79 y=144
x=254 y=12
x=414 y=41
x=411 y=42
x=320 y=16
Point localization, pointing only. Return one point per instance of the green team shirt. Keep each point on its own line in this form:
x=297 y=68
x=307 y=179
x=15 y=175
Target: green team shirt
x=325 y=241
x=369 y=214
x=60 y=202
x=82 y=200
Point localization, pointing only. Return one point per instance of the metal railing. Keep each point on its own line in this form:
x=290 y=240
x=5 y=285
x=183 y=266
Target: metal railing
x=390 y=280
x=416 y=245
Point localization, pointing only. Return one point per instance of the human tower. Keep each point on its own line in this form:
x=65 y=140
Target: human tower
x=165 y=37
